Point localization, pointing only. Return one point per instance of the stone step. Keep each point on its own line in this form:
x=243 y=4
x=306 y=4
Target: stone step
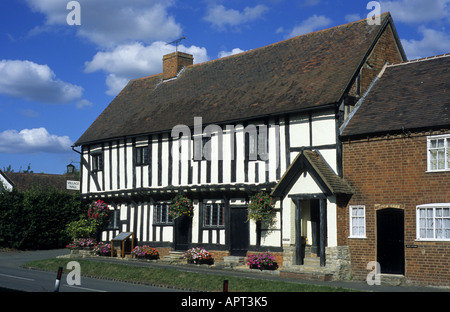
x=392 y=279
x=314 y=261
x=174 y=257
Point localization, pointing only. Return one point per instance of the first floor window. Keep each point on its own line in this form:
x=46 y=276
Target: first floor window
x=97 y=162
x=213 y=215
x=161 y=215
x=433 y=222
x=142 y=156
x=358 y=221
x=439 y=153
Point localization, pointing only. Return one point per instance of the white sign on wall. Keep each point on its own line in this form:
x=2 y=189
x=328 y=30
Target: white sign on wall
x=73 y=185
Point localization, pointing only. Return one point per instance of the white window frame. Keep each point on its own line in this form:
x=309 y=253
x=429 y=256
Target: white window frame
x=446 y=147
x=434 y=207
x=351 y=216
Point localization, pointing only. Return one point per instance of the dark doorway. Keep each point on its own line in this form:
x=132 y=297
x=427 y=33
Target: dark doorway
x=182 y=233
x=315 y=226
x=391 y=240
x=239 y=231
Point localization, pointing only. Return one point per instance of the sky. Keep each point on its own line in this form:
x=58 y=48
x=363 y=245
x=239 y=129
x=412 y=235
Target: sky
x=62 y=62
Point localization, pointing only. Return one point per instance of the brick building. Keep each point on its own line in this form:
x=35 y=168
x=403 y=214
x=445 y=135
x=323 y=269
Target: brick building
x=396 y=157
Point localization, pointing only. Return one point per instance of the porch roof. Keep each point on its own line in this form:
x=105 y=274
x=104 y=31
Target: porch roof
x=313 y=163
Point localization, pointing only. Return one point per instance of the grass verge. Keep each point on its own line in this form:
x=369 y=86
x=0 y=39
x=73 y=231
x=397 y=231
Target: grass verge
x=176 y=278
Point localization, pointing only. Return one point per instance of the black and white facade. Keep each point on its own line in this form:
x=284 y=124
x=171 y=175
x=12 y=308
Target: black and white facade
x=220 y=131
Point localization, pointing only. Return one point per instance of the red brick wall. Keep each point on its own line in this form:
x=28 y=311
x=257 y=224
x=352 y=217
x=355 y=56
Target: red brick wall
x=385 y=51
x=391 y=172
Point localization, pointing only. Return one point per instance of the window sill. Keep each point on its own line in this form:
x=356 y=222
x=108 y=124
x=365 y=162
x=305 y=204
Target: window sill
x=358 y=237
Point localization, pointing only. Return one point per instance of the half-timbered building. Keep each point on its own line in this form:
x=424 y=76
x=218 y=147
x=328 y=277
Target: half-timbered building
x=219 y=131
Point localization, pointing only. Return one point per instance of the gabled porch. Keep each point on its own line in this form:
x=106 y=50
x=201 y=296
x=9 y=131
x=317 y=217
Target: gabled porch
x=308 y=192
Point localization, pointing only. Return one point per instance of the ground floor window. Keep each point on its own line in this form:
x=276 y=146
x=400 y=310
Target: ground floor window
x=213 y=215
x=357 y=221
x=161 y=214
x=433 y=222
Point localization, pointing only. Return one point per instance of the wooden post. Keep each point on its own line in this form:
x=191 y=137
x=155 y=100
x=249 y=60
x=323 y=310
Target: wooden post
x=323 y=229
x=298 y=232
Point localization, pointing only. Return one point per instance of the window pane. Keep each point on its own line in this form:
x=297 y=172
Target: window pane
x=441 y=159
x=433 y=159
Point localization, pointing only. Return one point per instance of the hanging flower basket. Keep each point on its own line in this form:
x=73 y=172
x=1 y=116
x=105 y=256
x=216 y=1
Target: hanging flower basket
x=98 y=213
x=262 y=208
x=181 y=207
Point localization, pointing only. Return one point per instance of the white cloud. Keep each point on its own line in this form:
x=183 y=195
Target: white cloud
x=108 y=23
x=222 y=17
x=433 y=42
x=417 y=11
x=34 y=82
x=131 y=61
x=228 y=53
x=311 y=24
x=352 y=17
x=33 y=141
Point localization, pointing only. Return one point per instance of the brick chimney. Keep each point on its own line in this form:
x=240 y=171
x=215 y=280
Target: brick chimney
x=174 y=62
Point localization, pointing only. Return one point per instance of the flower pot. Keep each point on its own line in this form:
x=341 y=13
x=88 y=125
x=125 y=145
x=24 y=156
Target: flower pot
x=268 y=267
x=201 y=261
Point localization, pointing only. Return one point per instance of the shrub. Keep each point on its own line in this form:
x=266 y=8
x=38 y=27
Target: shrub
x=145 y=252
x=80 y=229
x=37 y=218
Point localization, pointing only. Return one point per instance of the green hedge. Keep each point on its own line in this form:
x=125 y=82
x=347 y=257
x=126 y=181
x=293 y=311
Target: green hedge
x=37 y=219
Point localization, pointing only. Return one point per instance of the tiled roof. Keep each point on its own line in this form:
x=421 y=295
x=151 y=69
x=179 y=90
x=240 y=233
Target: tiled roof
x=24 y=181
x=313 y=163
x=410 y=95
x=303 y=72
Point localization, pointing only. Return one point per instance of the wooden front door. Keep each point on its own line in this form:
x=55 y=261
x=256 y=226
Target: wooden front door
x=239 y=231
x=182 y=233
x=391 y=241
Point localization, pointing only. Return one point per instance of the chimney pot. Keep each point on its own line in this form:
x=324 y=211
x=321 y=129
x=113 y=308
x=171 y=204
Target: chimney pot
x=174 y=62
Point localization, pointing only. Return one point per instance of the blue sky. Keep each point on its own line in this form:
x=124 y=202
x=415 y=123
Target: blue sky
x=56 y=78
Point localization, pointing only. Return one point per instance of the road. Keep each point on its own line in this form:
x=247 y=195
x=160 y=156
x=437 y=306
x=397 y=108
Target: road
x=14 y=277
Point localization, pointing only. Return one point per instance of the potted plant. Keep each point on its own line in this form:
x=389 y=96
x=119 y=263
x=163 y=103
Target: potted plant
x=262 y=261
x=145 y=252
x=262 y=209
x=82 y=244
x=199 y=255
x=102 y=249
x=181 y=206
